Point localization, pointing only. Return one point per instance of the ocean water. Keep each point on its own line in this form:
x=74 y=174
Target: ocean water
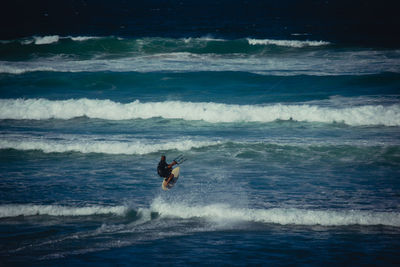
x=292 y=147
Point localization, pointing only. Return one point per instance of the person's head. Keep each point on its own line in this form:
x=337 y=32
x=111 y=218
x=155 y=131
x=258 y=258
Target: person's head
x=162 y=158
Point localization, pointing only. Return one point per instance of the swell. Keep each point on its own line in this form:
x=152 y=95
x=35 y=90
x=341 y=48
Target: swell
x=43 y=109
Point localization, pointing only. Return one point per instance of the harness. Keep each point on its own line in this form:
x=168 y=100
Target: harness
x=161 y=170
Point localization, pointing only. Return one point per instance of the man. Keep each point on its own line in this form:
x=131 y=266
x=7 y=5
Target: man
x=164 y=169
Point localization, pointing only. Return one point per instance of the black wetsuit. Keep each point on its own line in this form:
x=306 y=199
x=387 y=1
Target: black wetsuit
x=163 y=169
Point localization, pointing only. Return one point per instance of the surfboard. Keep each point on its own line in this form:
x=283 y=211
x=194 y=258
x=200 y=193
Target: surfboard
x=175 y=172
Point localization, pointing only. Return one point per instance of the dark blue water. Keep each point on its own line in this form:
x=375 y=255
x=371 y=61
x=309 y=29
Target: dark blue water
x=289 y=120
x=352 y=22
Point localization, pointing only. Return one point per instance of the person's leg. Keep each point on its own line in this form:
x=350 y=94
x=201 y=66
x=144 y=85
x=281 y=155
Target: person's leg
x=171 y=176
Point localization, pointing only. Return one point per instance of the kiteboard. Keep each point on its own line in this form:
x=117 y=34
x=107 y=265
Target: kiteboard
x=168 y=186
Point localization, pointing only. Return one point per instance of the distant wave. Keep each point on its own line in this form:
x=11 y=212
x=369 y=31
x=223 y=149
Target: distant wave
x=300 y=34
x=223 y=213
x=41 y=109
x=46 y=40
x=203 y=39
x=289 y=43
x=14 y=210
x=51 y=39
x=83 y=38
x=94 y=146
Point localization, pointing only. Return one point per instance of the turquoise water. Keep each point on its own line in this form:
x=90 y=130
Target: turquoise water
x=292 y=147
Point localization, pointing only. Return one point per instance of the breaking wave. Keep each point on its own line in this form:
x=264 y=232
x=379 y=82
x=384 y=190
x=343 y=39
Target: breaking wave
x=42 y=109
x=14 y=210
x=106 y=147
x=223 y=213
x=219 y=213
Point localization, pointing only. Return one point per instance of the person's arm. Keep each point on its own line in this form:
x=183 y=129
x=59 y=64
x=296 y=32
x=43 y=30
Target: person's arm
x=172 y=164
x=169 y=178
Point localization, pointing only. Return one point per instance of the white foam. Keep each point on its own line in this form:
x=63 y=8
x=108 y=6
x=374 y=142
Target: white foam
x=13 y=210
x=203 y=39
x=91 y=145
x=288 y=43
x=83 y=38
x=39 y=109
x=300 y=34
x=9 y=69
x=224 y=213
x=38 y=40
x=51 y=39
